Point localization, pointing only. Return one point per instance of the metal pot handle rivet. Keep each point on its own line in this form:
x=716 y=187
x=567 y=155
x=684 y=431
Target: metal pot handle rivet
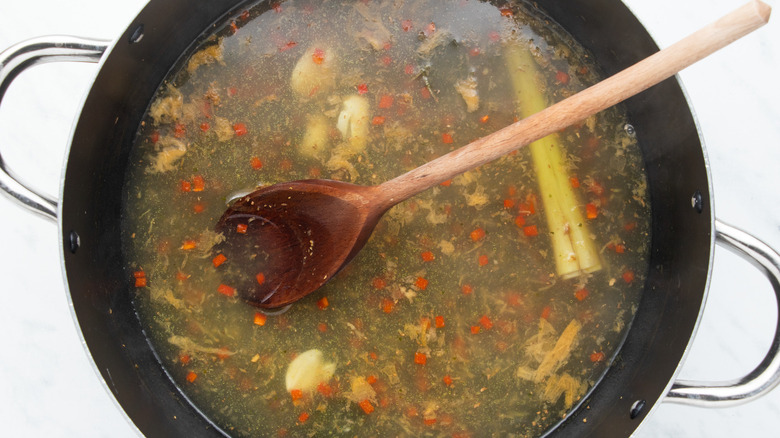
x=766 y=375
x=15 y=60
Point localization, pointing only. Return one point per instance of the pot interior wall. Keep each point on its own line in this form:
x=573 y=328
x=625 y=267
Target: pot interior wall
x=100 y=286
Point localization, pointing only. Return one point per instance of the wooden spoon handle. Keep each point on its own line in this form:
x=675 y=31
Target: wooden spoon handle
x=582 y=105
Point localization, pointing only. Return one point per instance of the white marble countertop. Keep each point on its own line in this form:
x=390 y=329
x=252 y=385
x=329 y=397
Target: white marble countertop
x=48 y=386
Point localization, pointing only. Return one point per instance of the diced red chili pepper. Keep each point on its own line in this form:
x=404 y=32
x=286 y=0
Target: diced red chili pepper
x=575 y=182
x=256 y=163
x=322 y=327
x=439 y=321
x=628 y=276
x=371 y=379
x=446 y=138
x=218 y=260
x=420 y=358
x=387 y=305
x=260 y=278
x=289 y=45
x=506 y=12
x=199 y=207
x=562 y=77
x=154 y=137
x=430 y=28
x=386 y=60
x=325 y=389
x=494 y=36
x=379 y=283
x=591 y=211
x=191 y=376
x=509 y=203
x=581 y=294
x=241 y=228
x=409 y=69
x=425 y=93
x=226 y=290
x=318 y=56
x=240 y=129
x=296 y=394
x=366 y=406
x=185 y=186
x=421 y=283
x=181 y=276
x=286 y=164
x=303 y=417
x=482 y=260
x=467 y=289
x=188 y=245
x=428 y=256
x=477 y=234
x=446 y=183
x=531 y=231
x=597 y=356
x=429 y=421
x=447 y=380
x=140 y=281
x=546 y=312
x=378 y=120
x=475 y=329
x=620 y=248
x=179 y=130
x=204 y=126
x=486 y=322
x=260 y=319
x=629 y=226
x=322 y=303
x=198 y=184
x=406 y=25
x=362 y=88
x=386 y=101
x=184 y=359
x=223 y=353
x=520 y=220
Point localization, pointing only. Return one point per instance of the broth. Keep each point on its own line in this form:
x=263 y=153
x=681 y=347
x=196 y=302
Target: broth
x=466 y=314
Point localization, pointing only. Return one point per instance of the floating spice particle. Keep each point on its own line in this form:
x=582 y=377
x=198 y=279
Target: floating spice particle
x=406 y=25
x=562 y=77
x=597 y=356
x=191 y=376
x=199 y=207
x=425 y=93
x=260 y=319
x=366 y=406
x=421 y=283
x=179 y=130
x=241 y=228
x=226 y=290
x=181 y=276
x=322 y=303
x=188 y=245
x=484 y=119
x=260 y=278
x=420 y=358
x=218 y=260
x=322 y=327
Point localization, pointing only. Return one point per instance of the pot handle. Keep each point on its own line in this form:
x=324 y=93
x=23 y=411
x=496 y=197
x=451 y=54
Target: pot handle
x=15 y=60
x=766 y=375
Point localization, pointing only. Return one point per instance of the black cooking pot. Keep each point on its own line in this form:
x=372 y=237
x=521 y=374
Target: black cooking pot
x=684 y=229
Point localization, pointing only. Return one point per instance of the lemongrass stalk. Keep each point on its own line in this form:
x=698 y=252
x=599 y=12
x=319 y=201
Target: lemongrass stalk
x=573 y=248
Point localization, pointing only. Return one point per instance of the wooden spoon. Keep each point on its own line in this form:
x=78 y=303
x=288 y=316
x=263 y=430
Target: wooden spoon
x=295 y=236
